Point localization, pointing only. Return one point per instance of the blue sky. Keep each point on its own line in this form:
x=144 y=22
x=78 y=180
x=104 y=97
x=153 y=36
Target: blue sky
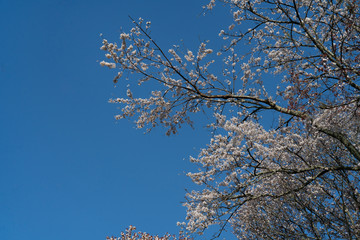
x=68 y=170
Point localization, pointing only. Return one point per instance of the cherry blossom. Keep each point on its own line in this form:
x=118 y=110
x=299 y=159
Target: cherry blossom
x=130 y=234
x=297 y=178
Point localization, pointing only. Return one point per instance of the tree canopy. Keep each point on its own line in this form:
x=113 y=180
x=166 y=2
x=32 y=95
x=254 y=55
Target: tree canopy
x=297 y=178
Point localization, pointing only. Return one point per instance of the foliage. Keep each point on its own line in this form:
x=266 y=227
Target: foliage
x=295 y=179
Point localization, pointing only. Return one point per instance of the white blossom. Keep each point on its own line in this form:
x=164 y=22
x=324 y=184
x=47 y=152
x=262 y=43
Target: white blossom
x=283 y=162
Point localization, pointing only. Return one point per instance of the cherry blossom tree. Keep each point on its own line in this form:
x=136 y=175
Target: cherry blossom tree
x=296 y=178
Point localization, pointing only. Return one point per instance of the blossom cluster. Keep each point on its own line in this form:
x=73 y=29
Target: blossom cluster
x=130 y=234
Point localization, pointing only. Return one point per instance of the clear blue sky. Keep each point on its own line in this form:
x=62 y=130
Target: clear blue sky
x=68 y=170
